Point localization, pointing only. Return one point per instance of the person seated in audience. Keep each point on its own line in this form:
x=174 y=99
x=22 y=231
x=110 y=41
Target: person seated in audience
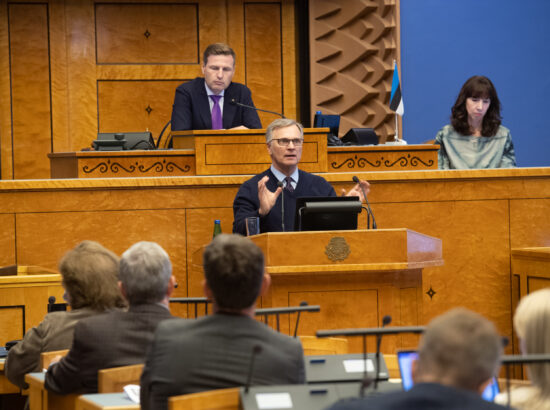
x=532 y=324
x=89 y=275
x=214 y=352
x=458 y=355
x=475 y=138
x=118 y=338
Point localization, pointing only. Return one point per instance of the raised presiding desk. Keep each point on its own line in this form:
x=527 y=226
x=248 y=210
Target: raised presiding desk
x=237 y=152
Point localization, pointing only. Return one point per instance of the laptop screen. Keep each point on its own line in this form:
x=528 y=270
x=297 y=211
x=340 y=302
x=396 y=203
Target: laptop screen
x=405 y=359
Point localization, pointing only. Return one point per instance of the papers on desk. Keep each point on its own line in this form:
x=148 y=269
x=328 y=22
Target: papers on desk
x=273 y=401
x=358 y=365
x=132 y=391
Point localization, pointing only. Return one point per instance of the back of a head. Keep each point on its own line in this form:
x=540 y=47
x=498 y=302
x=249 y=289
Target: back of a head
x=234 y=268
x=145 y=272
x=459 y=348
x=532 y=325
x=90 y=277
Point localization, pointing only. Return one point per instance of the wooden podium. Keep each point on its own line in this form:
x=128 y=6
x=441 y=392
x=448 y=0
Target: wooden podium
x=357 y=277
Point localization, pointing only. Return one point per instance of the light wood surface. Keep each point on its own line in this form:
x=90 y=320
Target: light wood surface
x=314 y=345
x=6 y=387
x=480 y=216
x=69 y=70
x=113 y=380
x=224 y=399
x=42 y=399
x=24 y=301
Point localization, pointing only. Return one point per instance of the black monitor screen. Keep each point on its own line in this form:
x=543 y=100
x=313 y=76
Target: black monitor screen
x=329 y=213
x=328 y=121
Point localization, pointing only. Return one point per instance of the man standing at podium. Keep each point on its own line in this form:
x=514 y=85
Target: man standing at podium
x=261 y=195
x=207 y=103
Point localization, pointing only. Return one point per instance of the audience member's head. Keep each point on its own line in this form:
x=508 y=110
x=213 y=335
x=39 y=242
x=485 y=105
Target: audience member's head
x=459 y=348
x=234 y=272
x=89 y=275
x=532 y=325
x=146 y=274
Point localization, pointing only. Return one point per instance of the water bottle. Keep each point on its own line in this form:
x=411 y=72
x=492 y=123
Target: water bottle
x=217 y=228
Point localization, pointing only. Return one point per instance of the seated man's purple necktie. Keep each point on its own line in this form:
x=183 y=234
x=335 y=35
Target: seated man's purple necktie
x=217 y=123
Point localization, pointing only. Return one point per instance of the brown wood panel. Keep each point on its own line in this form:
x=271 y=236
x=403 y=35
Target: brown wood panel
x=30 y=89
x=44 y=245
x=7 y=246
x=147 y=33
x=537 y=283
x=262 y=22
x=126 y=106
x=529 y=222
x=11 y=323
x=6 y=160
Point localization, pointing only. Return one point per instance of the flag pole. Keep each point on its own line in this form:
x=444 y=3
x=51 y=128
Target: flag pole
x=396 y=129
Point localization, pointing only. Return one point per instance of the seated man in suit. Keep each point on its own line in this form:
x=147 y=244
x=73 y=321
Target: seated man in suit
x=206 y=103
x=458 y=356
x=215 y=351
x=260 y=195
x=118 y=338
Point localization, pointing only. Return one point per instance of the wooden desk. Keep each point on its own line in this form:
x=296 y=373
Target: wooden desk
x=23 y=302
x=6 y=387
x=105 y=401
x=531 y=269
x=382 y=158
x=42 y=399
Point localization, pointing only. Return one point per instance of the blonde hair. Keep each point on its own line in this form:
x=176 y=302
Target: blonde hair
x=532 y=325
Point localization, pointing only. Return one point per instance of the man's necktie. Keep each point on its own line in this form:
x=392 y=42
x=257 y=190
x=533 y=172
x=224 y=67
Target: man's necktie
x=289 y=184
x=217 y=123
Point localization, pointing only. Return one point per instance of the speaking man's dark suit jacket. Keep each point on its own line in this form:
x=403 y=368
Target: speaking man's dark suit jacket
x=191 y=109
x=103 y=341
x=423 y=396
x=214 y=352
x=247 y=204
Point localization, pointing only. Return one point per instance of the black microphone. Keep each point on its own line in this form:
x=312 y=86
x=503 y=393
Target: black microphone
x=235 y=102
x=157 y=145
x=257 y=349
x=281 y=185
x=51 y=300
x=303 y=303
x=356 y=180
x=386 y=320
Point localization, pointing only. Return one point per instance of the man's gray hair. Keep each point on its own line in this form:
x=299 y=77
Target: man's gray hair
x=461 y=347
x=145 y=272
x=281 y=123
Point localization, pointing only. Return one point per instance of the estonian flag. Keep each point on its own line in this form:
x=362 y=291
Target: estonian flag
x=396 y=100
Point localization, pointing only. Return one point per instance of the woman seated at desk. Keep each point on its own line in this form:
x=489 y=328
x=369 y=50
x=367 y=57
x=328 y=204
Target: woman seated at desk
x=475 y=138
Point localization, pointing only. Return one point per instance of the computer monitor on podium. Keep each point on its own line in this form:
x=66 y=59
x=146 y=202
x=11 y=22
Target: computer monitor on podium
x=329 y=213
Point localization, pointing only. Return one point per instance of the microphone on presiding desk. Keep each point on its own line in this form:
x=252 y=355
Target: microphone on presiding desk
x=235 y=102
x=369 y=211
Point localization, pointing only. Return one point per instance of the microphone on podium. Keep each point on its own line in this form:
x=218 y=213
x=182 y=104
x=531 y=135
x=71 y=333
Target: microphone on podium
x=235 y=102
x=256 y=350
x=281 y=185
x=369 y=210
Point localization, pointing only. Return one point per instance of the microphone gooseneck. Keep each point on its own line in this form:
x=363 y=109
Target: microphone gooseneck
x=386 y=320
x=356 y=180
x=280 y=185
x=235 y=102
x=302 y=303
x=256 y=350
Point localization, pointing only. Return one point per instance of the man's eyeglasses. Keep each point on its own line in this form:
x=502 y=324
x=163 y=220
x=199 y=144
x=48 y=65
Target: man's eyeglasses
x=285 y=142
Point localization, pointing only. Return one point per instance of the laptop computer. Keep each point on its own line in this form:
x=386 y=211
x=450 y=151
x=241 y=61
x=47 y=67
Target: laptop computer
x=405 y=359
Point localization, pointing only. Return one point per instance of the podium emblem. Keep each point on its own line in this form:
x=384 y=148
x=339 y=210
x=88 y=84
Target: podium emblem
x=337 y=249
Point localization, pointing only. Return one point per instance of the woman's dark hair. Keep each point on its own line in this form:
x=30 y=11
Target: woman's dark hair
x=477 y=86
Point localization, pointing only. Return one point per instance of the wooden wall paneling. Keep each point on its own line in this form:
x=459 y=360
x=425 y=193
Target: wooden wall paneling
x=529 y=222
x=352 y=48
x=7 y=240
x=235 y=38
x=263 y=31
x=81 y=63
x=199 y=229
x=289 y=69
x=30 y=89
x=147 y=33
x=44 y=238
x=11 y=322
x=6 y=149
x=59 y=78
x=135 y=105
